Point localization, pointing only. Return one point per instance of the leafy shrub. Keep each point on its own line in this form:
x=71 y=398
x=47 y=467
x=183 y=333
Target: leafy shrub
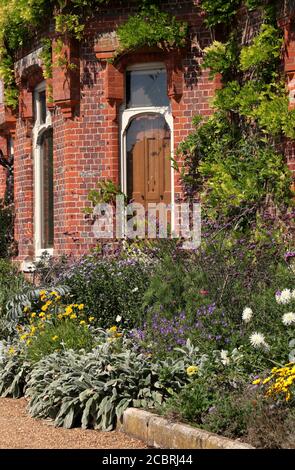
x=93 y=389
x=28 y=298
x=153 y=28
x=48 y=324
x=11 y=282
x=109 y=287
x=190 y=404
x=7 y=244
x=14 y=372
x=65 y=335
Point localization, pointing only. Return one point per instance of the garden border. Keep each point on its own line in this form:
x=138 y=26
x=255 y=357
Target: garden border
x=159 y=432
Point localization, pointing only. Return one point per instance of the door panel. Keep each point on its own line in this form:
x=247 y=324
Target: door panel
x=148 y=160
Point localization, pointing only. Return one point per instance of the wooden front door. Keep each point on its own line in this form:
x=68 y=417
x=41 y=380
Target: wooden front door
x=148 y=160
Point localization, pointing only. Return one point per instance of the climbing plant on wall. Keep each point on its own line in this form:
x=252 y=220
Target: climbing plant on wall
x=232 y=160
x=22 y=20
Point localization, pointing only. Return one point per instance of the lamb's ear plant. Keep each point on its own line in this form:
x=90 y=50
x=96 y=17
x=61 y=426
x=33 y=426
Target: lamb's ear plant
x=14 y=373
x=93 y=389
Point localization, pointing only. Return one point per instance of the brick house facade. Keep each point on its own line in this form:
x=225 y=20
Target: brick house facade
x=83 y=122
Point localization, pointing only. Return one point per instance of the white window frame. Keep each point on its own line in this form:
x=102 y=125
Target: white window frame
x=126 y=116
x=38 y=131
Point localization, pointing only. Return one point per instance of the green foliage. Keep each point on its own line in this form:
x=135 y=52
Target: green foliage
x=69 y=23
x=230 y=415
x=57 y=336
x=11 y=282
x=153 y=28
x=220 y=57
x=27 y=297
x=106 y=192
x=93 y=389
x=190 y=403
x=45 y=56
x=265 y=48
x=109 y=288
x=166 y=289
x=219 y=11
x=7 y=243
x=14 y=372
x=232 y=159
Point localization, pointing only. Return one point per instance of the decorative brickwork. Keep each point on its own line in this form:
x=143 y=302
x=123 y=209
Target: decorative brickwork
x=86 y=119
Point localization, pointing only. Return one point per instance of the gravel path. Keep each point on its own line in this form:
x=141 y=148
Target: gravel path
x=20 y=431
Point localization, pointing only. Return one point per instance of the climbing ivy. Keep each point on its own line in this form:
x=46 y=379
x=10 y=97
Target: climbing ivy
x=232 y=159
x=151 y=27
x=23 y=20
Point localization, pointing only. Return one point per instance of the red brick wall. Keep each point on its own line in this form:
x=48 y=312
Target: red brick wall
x=3 y=147
x=86 y=131
x=86 y=135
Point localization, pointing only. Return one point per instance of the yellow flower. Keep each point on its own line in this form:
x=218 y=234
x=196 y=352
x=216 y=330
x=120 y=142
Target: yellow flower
x=82 y=322
x=54 y=338
x=81 y=306
x=113 y=329
x=69 y=310
x=91 y=319
x=11 y=351
x=42 y=314
x=54 y=293
x=33 y=329
x=26 y=309
x=59 y=316
x=266 y=380
x=256 y=382
x=44 y=308
x=24 y=336
x=192 y=370
x=73 y=316
x=29 y=341
x=33 y=314
x=58 y=297
x=42 y=292
x=118 y=335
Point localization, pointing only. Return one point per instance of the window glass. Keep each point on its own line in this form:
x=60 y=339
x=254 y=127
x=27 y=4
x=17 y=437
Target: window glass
x=146 y=88
x=46 y=147
x=42 y=106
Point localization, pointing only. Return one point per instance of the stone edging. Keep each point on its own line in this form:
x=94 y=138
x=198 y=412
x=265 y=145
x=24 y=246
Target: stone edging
x=158 y=432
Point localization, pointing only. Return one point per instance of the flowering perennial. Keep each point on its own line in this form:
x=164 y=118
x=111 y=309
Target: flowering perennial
x=281 y=381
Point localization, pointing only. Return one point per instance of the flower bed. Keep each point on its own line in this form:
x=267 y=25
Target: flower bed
x=209 y=341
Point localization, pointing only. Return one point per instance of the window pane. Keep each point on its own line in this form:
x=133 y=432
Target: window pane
x=42 y=108
x=47 y=189
x=146 y=88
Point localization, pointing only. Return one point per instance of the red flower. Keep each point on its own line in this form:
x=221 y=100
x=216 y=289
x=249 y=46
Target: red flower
x=204 y=292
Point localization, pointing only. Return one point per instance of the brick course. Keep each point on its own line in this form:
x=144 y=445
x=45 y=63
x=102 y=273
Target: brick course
x=86 y=125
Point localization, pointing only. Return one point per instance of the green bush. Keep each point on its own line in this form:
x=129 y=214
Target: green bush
x=63 y=335
x=93 y=389
x=7 y=245
x=14 y=370
x=11 y=282
x=109 y=287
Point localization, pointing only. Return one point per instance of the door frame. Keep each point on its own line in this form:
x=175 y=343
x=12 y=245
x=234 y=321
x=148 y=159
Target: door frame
x=126 y=117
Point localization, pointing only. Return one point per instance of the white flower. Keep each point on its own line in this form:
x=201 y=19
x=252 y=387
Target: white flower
x=118 y=318
x=257 y=340
x=247 y=314
x=135 y=289
x=224 y=357
x=284 y=297
x=288 y=318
